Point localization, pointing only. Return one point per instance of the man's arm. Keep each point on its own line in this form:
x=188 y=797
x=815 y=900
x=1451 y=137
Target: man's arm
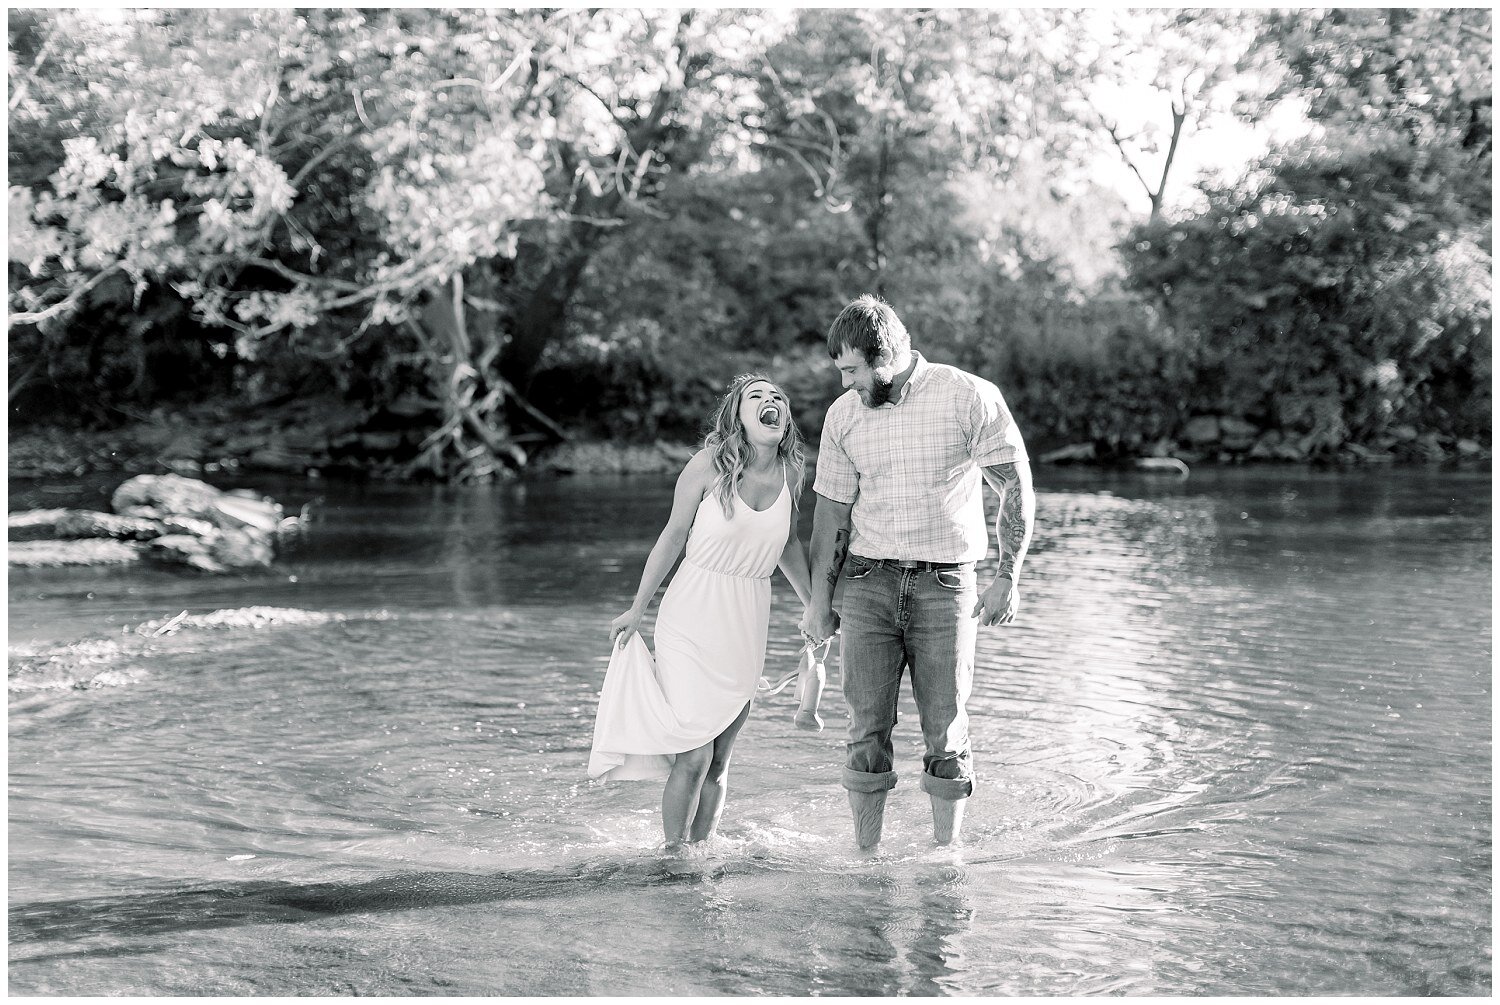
x=1012 y=482
x=830 y=547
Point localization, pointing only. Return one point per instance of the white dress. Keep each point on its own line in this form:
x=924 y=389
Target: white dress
x=710 y=645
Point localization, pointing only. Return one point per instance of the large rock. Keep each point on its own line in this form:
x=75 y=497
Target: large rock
x=1368 y=456
x=1238 y=428
x=1236 y=434
x=1264 y=448
x=1202 y=430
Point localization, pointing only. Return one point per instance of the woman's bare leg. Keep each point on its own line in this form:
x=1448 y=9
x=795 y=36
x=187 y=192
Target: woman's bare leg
x=680 y=797
x=716 y=781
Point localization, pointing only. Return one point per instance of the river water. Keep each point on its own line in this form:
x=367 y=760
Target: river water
x=1237 y=743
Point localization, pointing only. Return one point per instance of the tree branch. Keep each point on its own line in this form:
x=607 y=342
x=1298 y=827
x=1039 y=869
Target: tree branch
x=531 y=409
x=65 y=305
x=41 y=57
x=1119 y=143
x=1129 y=161
x=1179 y=116
x=302 y=277
x=19 y=384
x=323 y=155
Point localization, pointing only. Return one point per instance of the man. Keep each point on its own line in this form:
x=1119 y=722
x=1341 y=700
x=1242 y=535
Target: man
x=900 y=520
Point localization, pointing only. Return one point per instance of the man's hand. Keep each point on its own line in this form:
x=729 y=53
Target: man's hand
x=997 y=605
x=819 y=623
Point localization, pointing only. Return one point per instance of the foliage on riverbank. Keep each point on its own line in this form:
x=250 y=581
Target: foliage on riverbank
x=441 y=243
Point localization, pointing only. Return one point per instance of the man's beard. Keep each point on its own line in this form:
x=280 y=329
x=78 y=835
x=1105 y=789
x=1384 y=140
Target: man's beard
x=880 y=392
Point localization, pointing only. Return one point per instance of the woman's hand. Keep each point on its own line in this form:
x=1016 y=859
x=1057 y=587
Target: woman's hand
x=622 y=627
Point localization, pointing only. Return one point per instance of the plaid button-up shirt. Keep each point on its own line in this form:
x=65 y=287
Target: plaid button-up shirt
x=911 y=466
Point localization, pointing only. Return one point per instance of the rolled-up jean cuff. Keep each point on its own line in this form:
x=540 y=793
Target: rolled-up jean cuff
x=946 y=788
x=869 y=781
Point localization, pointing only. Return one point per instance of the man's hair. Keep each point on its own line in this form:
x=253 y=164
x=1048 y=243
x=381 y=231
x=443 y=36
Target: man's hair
x=870 y=326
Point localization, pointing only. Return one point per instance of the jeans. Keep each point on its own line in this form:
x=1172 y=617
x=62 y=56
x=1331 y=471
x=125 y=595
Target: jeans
x=891 y=619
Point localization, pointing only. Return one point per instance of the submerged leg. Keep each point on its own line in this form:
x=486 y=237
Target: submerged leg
x=947 y=818
x=869 y=817
x=680 y=797
x=716 y=782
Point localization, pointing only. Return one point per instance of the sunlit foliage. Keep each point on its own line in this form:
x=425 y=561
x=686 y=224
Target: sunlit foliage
x=492 y=216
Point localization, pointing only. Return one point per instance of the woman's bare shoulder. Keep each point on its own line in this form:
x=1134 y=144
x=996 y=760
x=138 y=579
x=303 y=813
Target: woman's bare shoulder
x=699 y=470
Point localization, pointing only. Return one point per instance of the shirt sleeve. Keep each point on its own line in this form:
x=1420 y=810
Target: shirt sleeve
x=837 y=478
x=994 y=437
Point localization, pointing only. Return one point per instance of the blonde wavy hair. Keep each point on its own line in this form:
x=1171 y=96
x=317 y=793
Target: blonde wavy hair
x=732 y=451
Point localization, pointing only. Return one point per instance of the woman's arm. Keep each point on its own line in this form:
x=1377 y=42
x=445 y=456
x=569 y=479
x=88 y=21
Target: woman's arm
x=695 y=480
x=793 y=564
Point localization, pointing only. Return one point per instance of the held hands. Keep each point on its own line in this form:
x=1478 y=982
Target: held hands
x=818 y=625
x=624 y=626
x=997 y=605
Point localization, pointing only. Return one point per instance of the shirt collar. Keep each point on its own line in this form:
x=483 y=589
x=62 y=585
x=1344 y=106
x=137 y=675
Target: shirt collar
x=918 y=373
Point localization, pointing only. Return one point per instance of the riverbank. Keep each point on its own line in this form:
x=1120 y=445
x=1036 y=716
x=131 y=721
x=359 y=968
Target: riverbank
x=312 y=441
x=308 y=441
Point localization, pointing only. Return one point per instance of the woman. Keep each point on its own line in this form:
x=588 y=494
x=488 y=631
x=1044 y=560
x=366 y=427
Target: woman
x=734 y=509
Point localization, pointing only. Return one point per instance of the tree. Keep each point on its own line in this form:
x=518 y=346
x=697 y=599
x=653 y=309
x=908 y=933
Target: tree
x=886 y=108
x=344 y=173
x=1144 y=79
x=1370 y=76
x=1335 y=298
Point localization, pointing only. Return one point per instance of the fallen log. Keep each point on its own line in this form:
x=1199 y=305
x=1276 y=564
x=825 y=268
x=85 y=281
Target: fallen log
x=87 y=551
x=1162 y=465
x=72 y=524
x=168 y=518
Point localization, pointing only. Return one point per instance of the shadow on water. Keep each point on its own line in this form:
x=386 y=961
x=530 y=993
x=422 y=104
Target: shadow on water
x=290 y=903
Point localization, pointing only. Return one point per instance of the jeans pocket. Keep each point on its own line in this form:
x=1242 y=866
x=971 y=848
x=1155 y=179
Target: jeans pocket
x=949 y=579
x=857 y=568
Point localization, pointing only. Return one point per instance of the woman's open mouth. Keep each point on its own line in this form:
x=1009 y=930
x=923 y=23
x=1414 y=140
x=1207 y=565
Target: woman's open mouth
x=770 y=416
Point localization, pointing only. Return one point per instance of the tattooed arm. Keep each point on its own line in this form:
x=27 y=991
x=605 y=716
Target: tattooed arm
x=1012 y=482
x=830 y=547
